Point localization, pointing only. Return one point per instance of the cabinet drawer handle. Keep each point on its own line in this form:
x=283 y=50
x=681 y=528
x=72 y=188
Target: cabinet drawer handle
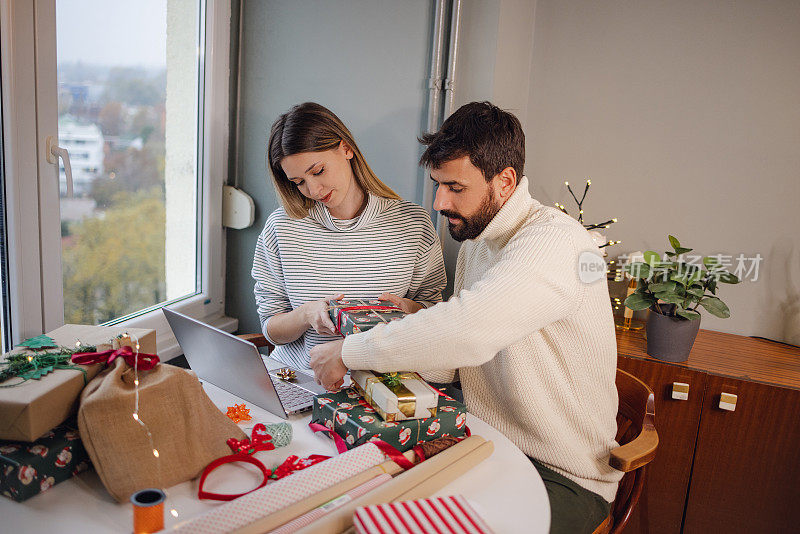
x=680 y=391
x=727 y=401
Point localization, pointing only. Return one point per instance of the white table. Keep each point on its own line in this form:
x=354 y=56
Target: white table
x=505 y=489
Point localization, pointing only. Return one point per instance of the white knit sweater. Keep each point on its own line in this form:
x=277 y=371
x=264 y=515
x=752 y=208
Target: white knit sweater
x=534 y=346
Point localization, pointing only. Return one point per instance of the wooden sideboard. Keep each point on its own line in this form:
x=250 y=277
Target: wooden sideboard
x=718 y=470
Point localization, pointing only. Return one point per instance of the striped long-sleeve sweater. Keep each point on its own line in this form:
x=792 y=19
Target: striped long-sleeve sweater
x=391 y=247
x=534 y=346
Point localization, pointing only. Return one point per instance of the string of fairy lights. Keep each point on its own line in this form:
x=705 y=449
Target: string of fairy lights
x=618 y=277
x=604 y=224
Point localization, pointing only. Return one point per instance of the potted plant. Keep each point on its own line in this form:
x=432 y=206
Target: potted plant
x=674 y=290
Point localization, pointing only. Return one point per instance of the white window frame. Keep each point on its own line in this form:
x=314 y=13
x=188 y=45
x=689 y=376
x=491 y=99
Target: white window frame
x=27 y=46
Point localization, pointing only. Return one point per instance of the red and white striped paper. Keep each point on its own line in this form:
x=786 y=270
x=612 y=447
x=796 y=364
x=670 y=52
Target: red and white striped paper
x=444 y=515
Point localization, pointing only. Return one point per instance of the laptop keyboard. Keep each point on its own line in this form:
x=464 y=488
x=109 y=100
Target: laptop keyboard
x=294 y=398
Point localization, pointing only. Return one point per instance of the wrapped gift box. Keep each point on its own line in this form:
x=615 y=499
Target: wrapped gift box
x=32 y=408
x=350 y=416
x=448 y=515
x=27 y=469
x=410 y=398
x=351 y=316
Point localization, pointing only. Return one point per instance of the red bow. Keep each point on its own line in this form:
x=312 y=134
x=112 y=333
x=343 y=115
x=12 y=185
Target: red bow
x=143 y=361
x=259 y=441
x=294 y=463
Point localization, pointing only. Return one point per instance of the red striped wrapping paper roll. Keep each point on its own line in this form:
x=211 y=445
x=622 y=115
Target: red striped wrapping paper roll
x=448 y=515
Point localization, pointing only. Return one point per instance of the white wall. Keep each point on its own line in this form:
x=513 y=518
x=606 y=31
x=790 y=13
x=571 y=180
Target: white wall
x=686 y=116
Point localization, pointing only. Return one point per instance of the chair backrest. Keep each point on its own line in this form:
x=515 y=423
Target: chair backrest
x=638 y=439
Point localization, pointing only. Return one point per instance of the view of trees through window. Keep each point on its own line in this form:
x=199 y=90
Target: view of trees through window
x=112 y=121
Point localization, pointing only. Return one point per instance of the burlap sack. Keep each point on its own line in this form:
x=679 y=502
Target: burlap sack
x=187 y=430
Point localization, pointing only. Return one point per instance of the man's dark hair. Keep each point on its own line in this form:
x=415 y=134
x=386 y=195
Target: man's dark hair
x=492 y=138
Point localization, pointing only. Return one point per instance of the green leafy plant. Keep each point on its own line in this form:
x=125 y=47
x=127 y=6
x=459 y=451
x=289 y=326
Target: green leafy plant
x=392 y=380
x=683 y=287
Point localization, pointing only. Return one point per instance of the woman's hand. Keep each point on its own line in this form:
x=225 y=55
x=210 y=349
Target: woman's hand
x=407 y=305
x=315 y=315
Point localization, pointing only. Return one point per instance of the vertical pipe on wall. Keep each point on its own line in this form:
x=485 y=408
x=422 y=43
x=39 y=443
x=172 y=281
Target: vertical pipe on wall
x=435 y=89
x=452 y=59
x=235 y=130
x=450 y=87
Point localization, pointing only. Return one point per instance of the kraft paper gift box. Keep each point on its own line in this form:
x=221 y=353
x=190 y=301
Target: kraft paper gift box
x=351 y=316
x=347 y=414
x=27 y=469
x=32 y=408
x=410 y=398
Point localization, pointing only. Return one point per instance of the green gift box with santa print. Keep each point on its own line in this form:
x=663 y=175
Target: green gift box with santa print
x=351 y=316
x=29 y=468
x=347 y=415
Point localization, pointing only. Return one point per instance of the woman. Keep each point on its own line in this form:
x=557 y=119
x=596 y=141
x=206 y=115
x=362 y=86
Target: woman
x=340 y=232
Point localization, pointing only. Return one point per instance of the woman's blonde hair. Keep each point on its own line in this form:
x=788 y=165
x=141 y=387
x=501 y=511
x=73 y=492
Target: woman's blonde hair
x=310 y=127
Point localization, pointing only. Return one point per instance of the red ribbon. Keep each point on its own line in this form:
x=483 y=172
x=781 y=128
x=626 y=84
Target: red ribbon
x=294 y=463
x=242 y=452
x=143 y=361
x=241 y=457
x=391 y=452
x=259 y=441
x=356 y=308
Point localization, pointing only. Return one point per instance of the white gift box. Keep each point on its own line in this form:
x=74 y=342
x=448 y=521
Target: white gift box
x=413 y=399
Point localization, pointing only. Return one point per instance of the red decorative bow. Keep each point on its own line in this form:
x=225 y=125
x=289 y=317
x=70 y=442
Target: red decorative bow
x=259 y=441
x=143 y=361
x=294 y=463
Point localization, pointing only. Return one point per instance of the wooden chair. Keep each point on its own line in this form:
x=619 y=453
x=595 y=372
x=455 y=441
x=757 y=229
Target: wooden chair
x=638 y=439
x=258 y=340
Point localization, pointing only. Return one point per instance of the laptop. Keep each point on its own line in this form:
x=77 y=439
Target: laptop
x=236 y=366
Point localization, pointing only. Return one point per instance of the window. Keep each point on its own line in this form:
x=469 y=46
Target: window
x=137 y=95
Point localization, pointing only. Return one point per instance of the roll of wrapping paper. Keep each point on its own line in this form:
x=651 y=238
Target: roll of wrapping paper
x=432 y=474
x=278 y=518
x=309 y=517
x=285 y=492
x=148 y=510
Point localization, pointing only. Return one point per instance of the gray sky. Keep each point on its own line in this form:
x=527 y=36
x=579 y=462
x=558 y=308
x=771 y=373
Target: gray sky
x=112 y=32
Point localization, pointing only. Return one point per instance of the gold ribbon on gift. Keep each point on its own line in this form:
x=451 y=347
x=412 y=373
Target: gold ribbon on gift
x=406 y=400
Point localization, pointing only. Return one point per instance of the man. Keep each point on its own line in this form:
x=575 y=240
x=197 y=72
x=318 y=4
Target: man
x=533 y=345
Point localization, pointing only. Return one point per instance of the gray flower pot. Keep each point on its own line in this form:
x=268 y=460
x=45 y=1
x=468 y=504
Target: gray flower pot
x=669 y=338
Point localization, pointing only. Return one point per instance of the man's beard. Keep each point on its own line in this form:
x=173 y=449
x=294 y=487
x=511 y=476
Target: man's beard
x=471 y=227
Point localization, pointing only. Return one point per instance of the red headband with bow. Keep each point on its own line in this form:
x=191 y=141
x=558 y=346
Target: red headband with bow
x=243 y=451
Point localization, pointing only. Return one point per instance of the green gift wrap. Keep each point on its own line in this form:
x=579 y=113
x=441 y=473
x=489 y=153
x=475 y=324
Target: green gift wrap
x=351 y=316
x=27 y=469
x=350 y=416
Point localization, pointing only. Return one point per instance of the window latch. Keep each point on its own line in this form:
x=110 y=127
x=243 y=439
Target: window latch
x=53 y=153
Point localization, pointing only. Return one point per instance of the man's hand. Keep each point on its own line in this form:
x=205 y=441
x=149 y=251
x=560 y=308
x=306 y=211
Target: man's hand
x=326 y=361
x=407 y=305
x=315 y=315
